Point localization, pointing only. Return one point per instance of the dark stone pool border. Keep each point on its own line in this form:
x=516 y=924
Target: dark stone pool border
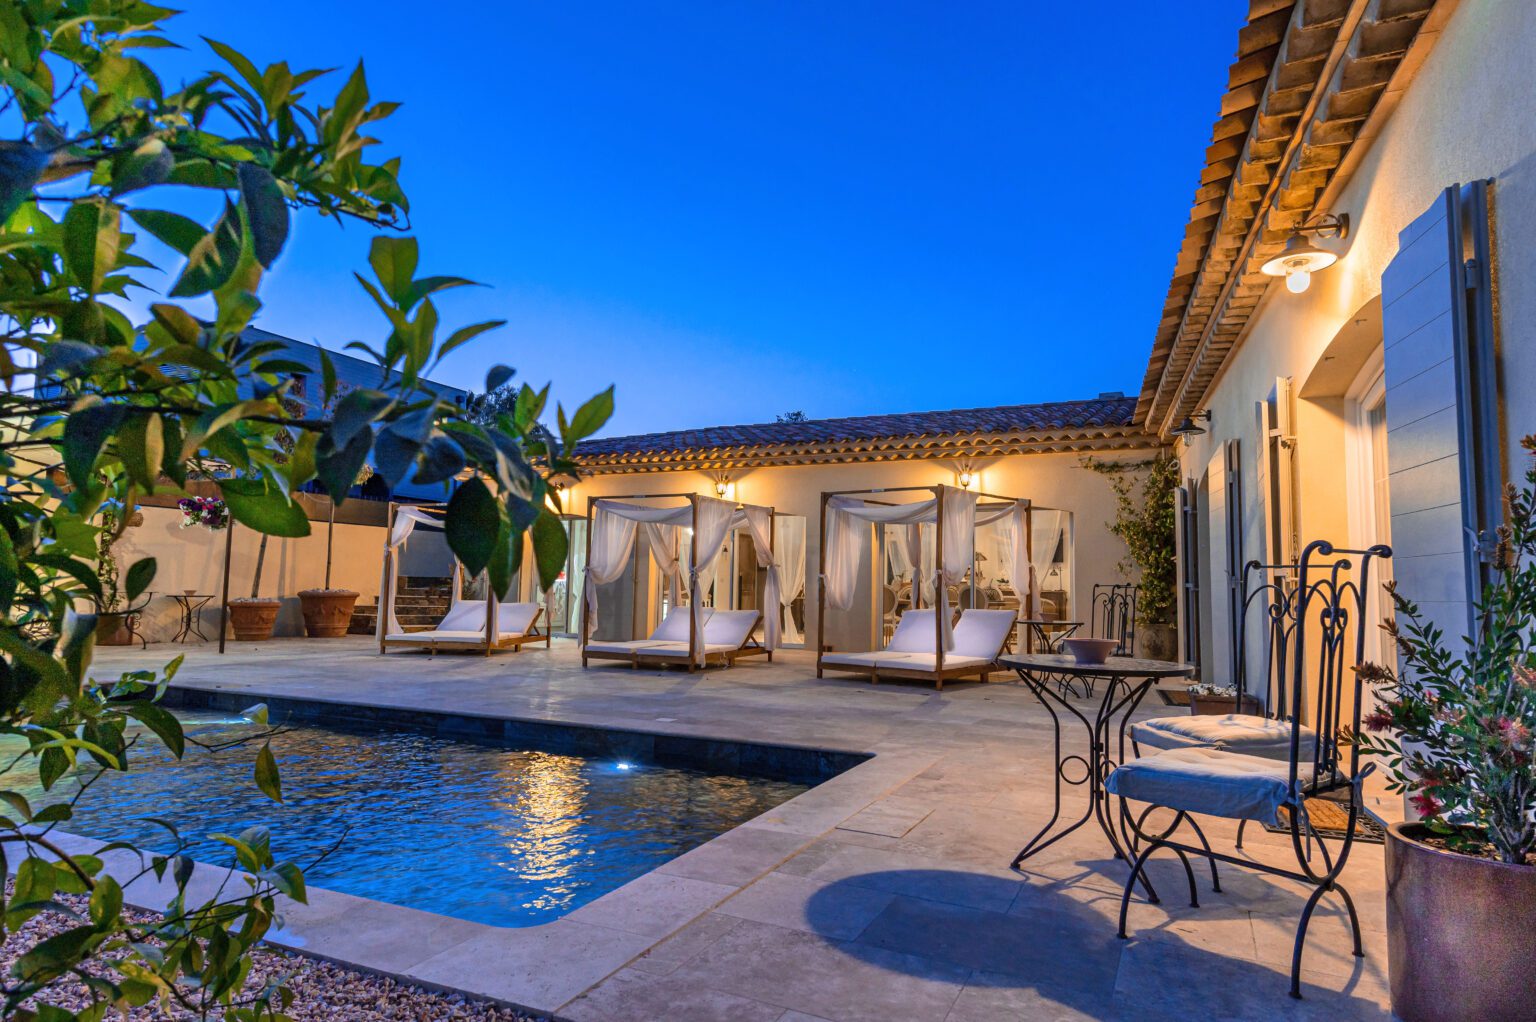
x=797 y=764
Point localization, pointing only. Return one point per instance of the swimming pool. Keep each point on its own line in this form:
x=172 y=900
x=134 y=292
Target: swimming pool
x=462 y=827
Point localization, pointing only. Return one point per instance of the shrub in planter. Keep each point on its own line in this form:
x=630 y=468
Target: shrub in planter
x=1456 y=731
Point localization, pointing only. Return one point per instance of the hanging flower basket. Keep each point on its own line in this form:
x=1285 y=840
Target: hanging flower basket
x=209 y=512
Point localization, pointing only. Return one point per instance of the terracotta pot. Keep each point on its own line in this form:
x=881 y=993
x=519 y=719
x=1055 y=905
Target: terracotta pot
x=1158 y=642
x=327 y=612
x=253 y=620
x=1220 y=706
x=112 y=630
x=1461 y=933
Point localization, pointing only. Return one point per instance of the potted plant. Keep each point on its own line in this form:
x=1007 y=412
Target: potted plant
x=111 y=614
x=1455 y=728
x=1147 y=527
x=252 y=618
x=327 y=611
x=1218 y=700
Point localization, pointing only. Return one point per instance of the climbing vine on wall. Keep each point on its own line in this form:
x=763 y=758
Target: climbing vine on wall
x=1145 y=520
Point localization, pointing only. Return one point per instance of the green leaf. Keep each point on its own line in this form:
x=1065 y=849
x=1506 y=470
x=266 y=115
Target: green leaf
x=393 y=454
x=550 y=545
x=86 y=431
x=496 y=376
x=148 y=165
x=289 y=879
x=69 y=357
x=472 y=523
x=327 y=378
x=179 y=232
x=590 y=417
x=141 y=446
x=355 y=412
x=261 y=506
x=506 y=557
x=420 y=289
x=9 y=569
x=214 y=258
x=338 y=468
x=442 y=458
x=106 y=903
x=394 y=261
x=266 y=774
x=140 y=575
x=92 y=235
x=463 y=335
x=266 y=210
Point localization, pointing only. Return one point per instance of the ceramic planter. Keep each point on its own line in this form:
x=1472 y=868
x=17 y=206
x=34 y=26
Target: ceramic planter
x=112 y=630
x=327 y=612
x=253 y=620
x=1461 y=934
x=1220 y=706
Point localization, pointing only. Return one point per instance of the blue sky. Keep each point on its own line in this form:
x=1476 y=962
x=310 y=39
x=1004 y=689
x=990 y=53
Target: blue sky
x=733 y=209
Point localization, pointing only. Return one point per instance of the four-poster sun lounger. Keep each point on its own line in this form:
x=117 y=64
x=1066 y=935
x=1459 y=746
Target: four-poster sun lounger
x=693 y=635
x=926 y=644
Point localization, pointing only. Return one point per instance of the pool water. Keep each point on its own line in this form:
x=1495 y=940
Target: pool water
x=507 y=837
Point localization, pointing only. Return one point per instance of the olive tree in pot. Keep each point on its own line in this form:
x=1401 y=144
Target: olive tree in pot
x=327 y=611
x=1456 y=731
x=1147 y=527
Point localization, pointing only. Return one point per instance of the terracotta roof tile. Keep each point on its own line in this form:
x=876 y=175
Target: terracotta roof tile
x=1108 y=412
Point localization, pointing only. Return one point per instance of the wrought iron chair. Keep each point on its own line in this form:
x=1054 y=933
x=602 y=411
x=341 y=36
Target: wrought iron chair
x=1112 y=615
x=1321 y=627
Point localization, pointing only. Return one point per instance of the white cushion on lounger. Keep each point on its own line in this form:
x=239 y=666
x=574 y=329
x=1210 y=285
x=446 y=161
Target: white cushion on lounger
x=680 y=649
x=675 y=627
x=981 y=633
x=1234 y=732
x=629 y=646
x=927 y=661
x=860 y=659
x=914 y=633
x=515 y=618
x=1226 y=784
x=464 y=616
x=438 y=635
x=730 y=628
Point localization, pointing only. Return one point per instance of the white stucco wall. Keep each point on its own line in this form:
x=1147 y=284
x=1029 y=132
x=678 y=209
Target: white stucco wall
x=1050 y=480
x=1467 y=115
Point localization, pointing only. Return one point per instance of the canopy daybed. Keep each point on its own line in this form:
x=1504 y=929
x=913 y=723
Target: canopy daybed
x=925 y=644
x=470 y=625
x=693 y=635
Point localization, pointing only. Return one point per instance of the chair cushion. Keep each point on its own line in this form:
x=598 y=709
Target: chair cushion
x=674 y=628
x=981 y=633
x=914 y=633
x=515 y=618
x=1234 y=732
x=1207 y=781
x=730 y=628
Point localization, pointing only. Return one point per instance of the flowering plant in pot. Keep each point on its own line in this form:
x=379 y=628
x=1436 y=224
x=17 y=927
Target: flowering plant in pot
x=1455 y=727
x=209 y=512
x=1206 y=699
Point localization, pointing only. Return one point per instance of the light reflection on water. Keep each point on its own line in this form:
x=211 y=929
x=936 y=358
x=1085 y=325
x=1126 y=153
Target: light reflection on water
x=498 y=836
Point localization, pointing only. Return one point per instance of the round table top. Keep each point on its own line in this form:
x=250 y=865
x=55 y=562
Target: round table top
x=1049 y=622
x=190 y=596
x=1114 y=667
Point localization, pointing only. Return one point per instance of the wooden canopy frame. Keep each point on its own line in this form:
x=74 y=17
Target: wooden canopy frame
x=750 y=647
x=940 y=673
x=386 y=600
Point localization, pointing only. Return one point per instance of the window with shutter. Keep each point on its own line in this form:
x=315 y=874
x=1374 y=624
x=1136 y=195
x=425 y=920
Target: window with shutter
x=1444 y=464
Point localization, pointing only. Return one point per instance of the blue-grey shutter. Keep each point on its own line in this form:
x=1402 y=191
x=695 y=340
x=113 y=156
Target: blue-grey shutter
x=1442 y=431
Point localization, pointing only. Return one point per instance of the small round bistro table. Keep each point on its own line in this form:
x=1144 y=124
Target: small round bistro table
x=192 y=605
x=1127 y=682
x=1044 y=636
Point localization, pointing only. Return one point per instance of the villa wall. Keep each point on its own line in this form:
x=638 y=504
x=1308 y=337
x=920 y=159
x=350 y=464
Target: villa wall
x=1459 y=120
x=193 y=558
x=1050 y=480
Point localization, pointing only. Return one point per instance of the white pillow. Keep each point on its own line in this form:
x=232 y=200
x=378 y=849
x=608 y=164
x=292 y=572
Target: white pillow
x=914 y=633
x=981 y=633
x=515 y=618
x=675 y=627
x=730 y=627
x=464 y=616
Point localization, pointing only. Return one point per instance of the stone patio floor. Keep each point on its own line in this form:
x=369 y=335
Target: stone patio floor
x=883 y=894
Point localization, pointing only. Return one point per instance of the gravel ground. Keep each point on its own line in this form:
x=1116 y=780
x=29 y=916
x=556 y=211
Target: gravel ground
x=322 y=992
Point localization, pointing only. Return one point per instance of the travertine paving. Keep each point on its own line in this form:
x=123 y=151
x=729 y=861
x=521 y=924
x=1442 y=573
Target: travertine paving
x=883 y=894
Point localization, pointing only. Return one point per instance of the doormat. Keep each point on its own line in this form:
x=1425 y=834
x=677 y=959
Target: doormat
x=1330 y=819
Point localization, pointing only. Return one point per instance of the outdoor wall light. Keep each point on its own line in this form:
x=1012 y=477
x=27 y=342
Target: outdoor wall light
x=967 y=477
x=723 y=488
x=1189 y=427
x=1300 y=258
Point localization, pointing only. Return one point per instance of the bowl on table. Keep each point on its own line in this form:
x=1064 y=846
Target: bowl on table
x=1090 y=651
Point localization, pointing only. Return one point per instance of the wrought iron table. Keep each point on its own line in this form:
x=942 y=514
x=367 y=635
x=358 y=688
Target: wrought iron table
x=192 y=605
x=1127 y=682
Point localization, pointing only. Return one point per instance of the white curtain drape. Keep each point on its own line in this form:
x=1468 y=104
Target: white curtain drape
x=958 y=509
x=760 y=521
x=712 y=520
x=665 y=542
x=844 y=537
x=613 y=541
x=789 y=551
x=1047 y=531
x=406 y=520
